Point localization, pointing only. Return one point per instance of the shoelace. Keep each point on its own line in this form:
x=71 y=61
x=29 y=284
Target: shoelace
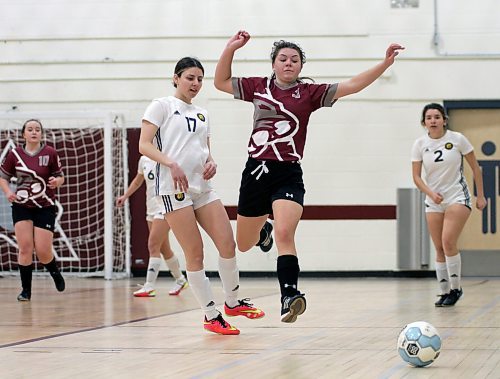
x=245 y=302
x=221 y=320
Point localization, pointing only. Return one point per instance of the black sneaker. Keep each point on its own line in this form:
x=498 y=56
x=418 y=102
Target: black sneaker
x=58 y=281
x=266 y=238
x=442 y=298
x=292 y=306
x=24 y=296
x=453 y=298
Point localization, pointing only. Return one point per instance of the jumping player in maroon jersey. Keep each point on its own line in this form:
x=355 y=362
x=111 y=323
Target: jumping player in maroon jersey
x=38 y=171
x=272 y=179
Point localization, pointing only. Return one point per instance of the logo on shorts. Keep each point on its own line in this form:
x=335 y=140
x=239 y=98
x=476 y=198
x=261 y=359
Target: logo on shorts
x=448 y=146
x=201 y=117
x=289 y=195
x=180 y=196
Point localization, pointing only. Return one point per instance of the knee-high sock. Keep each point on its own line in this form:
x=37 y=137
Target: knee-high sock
x=230 y=277
x=26 y=276
x=288 y=274
x=200 y=285
x=442 y=277
x=174 y=267
x=454 y=265
x=153 y=271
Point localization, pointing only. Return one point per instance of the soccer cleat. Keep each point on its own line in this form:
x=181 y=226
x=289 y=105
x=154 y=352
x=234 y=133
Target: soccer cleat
x=179 y=285
x=453 y=297
x=24 y=296
x=58 y=280
x=244 y=308
x=145 y=292
x=292 y=306
x=266 y=238
x=220 y=326
x=441 y=299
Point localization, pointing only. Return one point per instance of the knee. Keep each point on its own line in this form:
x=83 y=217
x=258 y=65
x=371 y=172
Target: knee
x=283 y=235
x=244 y=246
x=449 y=246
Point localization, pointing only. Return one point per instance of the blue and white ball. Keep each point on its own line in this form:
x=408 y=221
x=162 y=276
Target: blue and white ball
x=419 y=344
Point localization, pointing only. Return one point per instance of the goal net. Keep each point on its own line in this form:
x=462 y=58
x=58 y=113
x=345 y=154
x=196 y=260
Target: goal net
x=91 y=236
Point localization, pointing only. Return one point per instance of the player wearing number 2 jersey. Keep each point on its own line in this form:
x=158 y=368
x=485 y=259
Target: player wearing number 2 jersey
x=175 y=133
x=38 y=172
x=448 y=205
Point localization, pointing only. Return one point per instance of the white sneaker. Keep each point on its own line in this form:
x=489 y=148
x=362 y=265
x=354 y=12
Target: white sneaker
x=145 y=291
x=179 y=285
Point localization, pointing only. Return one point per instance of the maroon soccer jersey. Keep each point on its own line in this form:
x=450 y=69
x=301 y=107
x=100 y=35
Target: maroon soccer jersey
x=32 y=172
x=281 y=115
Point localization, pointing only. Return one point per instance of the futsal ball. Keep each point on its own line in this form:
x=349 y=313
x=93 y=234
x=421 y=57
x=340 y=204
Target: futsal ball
x=419 y=344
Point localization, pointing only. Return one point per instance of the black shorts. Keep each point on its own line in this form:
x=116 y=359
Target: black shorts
x=44 y=218
x=262 y=182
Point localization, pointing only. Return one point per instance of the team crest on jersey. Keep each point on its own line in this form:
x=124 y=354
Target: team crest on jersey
x=201 y=117
x=180 y=196
x=448 y=146
x=296 y=94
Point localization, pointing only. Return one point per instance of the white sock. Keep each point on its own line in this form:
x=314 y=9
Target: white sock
x=442 y=277
x=200 y=285
x=174 y=267
x=454 y=265
x=230 y=277
x=153 y=270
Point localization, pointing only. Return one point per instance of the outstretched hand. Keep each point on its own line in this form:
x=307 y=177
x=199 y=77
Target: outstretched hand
x=238 y=40
x=392 y=52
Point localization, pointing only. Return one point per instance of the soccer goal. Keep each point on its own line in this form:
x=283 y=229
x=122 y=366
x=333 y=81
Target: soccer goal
x=92 y=236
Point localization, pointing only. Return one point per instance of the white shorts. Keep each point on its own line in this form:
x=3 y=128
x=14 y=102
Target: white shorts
x=431 y=206
x=170 y=203
x=155 y=216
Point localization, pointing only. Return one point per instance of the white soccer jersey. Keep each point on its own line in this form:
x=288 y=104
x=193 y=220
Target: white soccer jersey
x=182 y=134
x=147 y=168
x=442 y=160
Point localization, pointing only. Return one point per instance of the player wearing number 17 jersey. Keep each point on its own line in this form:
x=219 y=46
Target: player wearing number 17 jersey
x=175 y=133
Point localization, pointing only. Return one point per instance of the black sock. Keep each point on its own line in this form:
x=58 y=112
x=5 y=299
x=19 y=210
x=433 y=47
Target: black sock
x=26 y=275
x=288 y=274
x=52 y=266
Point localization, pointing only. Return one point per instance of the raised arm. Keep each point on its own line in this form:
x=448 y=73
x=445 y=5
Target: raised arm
x=223 y=75
x=363 y=80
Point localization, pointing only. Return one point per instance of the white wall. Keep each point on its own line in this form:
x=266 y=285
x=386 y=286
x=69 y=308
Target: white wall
x=118 y=55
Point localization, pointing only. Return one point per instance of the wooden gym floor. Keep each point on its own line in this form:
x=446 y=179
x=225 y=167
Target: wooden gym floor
x=96 y=329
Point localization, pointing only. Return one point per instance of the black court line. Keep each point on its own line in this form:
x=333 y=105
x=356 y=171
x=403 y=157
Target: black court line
x=18 y=343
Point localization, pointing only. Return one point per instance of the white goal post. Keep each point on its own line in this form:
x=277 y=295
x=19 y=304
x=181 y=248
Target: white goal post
x=92 y=236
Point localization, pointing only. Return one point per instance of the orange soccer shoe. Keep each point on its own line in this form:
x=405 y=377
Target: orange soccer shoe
x=179 y=285
x=145 y=292
x=220 y=326
x=244 y=308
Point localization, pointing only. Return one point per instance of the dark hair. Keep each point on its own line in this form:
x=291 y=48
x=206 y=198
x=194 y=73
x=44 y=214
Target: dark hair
x=435 y=106
x=282 y=44
x=185 y=63
x=30 y=120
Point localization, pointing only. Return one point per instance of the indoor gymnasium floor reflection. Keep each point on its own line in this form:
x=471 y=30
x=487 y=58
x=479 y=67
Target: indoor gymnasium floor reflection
x=96 y=329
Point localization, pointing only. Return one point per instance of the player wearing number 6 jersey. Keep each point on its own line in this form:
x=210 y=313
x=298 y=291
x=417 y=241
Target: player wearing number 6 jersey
x=176 y=134
x=159 y=230
x=38 y=172
x=448 y=204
